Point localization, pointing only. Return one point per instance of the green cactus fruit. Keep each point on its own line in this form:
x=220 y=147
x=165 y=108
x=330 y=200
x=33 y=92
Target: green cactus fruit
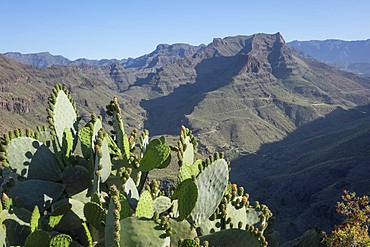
x=131 y=192
x=145 y=207
x=211 y=184
x=61 y=240
x=95 y=215
x=188 y=243
x=33 y=192
x=32 y=159
x=76 y=179
x=235 y=238
x=162 y=204
x=157 y=155
x=181 y=230
x=35 y=217
x=63 y=115
x=142 y=233
x=38 y=238
x=187 y=195
x=187 y=171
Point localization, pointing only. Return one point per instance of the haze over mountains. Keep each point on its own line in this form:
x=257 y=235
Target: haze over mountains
x=290 y=122
x=348 y=55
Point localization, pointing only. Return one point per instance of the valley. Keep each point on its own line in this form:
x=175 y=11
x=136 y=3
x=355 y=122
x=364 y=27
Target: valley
x=275 y=113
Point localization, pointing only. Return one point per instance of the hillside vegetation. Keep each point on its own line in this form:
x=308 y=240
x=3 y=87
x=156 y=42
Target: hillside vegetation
x=243 y=95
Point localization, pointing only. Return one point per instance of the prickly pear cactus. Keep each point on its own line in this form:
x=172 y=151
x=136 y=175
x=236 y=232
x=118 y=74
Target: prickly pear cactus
x=145 y=207
x=30 y=158
x=235 y=237
x=72 y=186
x=61 y=240
x=62 y=113
x=211 y=184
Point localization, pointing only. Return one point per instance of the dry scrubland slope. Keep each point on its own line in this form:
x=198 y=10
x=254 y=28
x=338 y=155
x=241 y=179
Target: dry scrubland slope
x=239 y=94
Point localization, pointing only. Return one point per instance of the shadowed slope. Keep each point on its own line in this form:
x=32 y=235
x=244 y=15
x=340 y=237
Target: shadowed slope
x=302 y=176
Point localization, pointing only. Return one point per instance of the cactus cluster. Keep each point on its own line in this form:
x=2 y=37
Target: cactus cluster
x=70 y=184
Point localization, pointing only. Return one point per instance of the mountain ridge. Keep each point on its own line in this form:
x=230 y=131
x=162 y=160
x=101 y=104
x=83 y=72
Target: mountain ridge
x=348 y=55
x=237 y=94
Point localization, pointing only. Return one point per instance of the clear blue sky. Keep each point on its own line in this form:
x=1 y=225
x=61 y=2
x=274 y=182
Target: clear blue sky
x=124 y=28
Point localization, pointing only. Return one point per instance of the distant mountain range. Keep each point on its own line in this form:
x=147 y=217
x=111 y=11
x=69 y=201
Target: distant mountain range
x=353 y=56
x=296 y=128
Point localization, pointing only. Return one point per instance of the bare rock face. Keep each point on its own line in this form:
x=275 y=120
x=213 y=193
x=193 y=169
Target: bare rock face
x=15 y=104
x=251 y=96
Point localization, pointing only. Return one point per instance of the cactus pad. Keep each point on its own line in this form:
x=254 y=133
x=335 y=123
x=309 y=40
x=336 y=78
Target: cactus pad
x=32 y=159
x=157 y=155
x=34 y=223
x=105 y=160
x=145 y=208
x=181 y=230
x=76 y=179
x=188 y=156
x=211 y=184
x=131 y=192
x=38 y=238
x=235 y=238
x=62 y=113
x=142 y=233
x=188 y=170
x=61 y=240
x=36 y=192
x=95 y=215
x=162 y=204
x=187 y=194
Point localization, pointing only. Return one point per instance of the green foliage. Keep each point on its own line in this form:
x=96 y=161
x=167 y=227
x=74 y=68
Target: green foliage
x=38 y=238
x=211 y=184
x=84 y=188
x=187 y=194
x=95 y=215
x=354 y=231
x=61 y=240
x=145 y=207
x=157 y=155
x=35 y=217
x=162 y=204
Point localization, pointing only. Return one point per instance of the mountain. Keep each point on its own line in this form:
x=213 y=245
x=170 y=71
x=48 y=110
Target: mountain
x=303 y=175
x=45 y=59
x=40 y=60
x=238 y=94
x=349 y=55
x=162 y=55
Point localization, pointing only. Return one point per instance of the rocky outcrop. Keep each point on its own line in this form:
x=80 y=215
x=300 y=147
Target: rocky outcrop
x=15 y=104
